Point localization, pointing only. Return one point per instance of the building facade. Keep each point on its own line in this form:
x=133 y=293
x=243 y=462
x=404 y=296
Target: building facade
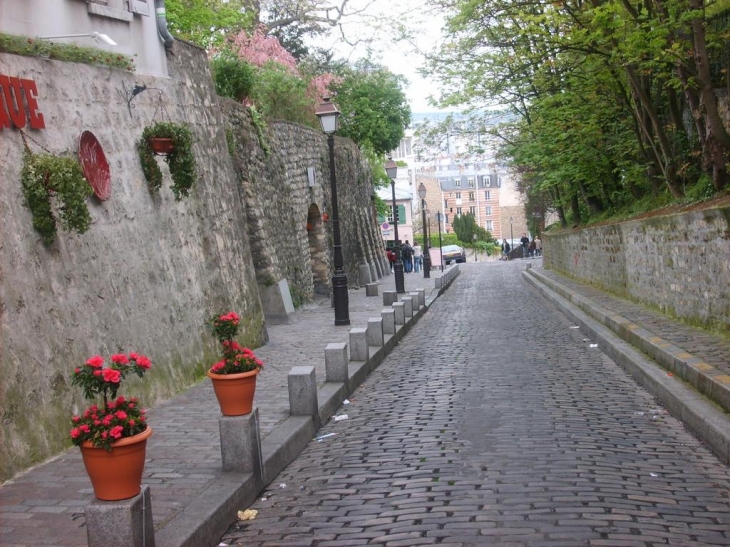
x=403 y=200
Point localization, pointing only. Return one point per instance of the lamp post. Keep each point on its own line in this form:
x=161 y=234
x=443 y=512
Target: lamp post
x=426 y=251
x=439 y=216
x=328 y=115
x=474 y=239
x=391 y=168
x=511 y=239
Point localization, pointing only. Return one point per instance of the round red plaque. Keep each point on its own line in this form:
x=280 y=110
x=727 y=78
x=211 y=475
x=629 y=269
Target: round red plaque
x=93 y=162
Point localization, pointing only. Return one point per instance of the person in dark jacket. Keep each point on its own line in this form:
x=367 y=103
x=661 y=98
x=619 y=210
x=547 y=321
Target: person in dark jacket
x=524 y=242
x=505 y=250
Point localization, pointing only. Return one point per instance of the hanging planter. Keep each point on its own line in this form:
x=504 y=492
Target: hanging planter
x=46 y=176
x=175 y=142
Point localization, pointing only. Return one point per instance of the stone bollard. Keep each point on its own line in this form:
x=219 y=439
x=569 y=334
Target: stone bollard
x=371 y=289
x=125 y=523
x=388 y=316
x=439 y=281
x=335 y=362
x=358 y=344
x=373 y=271
x=389 y=298
x=407 y=307
x=400 y=313
x=241 y=443
x=529 y=266
x=421 y=297
x=303 y=393
x=375 y=332
x=416 y=299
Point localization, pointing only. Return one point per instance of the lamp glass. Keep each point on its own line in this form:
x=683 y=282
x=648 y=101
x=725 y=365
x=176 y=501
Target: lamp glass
x=328 y=115
x=422 y=191
x=391 y=168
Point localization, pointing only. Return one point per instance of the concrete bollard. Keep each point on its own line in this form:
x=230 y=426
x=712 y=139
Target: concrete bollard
x=440 y=281
x=389 y=298
x=125 y=523
x=407 y=307
x=375 y=332
x=416 y=299
x=303 y=392
x=335 y=362
x=371 y=289
x=388 y=316
x=421 y=297
x=358 y=344
x=529 y=266
x=241 y=443
x=400 y=313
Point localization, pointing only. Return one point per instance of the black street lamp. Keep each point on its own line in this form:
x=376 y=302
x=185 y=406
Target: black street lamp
x=439 y=216
x=391 y=168
x=511 y=239
x=328 y=115
x=474 y=239
x=426 y=251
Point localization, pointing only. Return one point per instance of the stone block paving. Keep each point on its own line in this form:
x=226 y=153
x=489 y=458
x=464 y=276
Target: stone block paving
x=712 y=349
x=495 y=423
x=45 y=506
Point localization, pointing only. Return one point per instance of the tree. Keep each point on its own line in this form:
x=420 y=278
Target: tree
x=466 y=227
x=208 y=22
x=375 y=110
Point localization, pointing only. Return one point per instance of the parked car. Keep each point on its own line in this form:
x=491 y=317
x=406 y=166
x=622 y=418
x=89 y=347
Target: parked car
x=453 y=253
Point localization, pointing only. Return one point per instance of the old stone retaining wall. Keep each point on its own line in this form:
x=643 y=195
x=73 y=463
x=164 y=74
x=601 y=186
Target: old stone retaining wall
x=150 y=271
x=679 y=263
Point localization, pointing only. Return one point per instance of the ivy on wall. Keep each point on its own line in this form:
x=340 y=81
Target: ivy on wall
x=181 y=160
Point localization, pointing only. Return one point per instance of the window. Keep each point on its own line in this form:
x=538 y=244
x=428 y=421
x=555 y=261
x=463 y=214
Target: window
x=446 y=204
x=471 y=196
x=451 y=209
x=458 y=195
x=499 y=182
x=488 y=210
x=487 y=180
x=473 y=210
x=401 y=214
x=458 y=211
x=487 y=194
x=470 y=182
x=489 y=225
x=457 y=182
x=446 y=218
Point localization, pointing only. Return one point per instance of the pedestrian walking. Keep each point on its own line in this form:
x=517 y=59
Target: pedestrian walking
x=406 y=254
x=505 y=250
x=538 y=246
x=417 y=258
x=391 y=258
x=524 y=242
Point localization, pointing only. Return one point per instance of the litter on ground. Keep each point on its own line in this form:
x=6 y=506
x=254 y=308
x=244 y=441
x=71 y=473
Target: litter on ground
x=319 y=439
x=248 y=514
x=341 y=417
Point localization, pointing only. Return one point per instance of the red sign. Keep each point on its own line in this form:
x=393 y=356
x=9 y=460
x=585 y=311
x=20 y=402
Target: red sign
x=93 y=162
x=18 y=103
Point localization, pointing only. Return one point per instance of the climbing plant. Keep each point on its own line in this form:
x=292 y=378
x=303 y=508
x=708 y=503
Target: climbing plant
x=180 y=160
x=45 y=176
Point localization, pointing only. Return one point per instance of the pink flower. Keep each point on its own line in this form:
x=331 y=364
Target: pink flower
x=75 y=433
x=85 y=428
x=116 y=431
x=111 y=375
x=120 y=414
x=143 y=362
x=95 y=362
x=134 y=356
x=77 y=370
x=97 y=372
x=131 y=423
x=120 y=359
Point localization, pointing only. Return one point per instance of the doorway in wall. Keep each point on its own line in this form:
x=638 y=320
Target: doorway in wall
x=318 y=250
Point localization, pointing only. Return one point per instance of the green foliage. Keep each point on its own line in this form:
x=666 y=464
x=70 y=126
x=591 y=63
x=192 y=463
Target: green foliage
x=230 y=141
x=260 y=125
x=281 y=95
x=208 y=22
x=44 y=176
x=466 y=227
x=181 y=160
x=233 y=77
x=34 y=47
x=375 y=110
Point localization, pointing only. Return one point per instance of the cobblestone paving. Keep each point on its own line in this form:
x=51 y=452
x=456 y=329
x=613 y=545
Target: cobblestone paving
x=495 y=423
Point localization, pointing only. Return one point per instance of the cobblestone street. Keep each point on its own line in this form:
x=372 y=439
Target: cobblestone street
x=495 y=423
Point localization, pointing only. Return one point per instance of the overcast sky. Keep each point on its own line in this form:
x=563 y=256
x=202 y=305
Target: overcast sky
x=380 y=21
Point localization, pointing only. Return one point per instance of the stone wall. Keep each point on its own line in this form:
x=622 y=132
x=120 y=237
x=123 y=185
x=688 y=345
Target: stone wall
x=150 y=271
x=679 y=263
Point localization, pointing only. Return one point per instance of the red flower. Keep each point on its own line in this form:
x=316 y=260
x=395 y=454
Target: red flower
x=95 y=362
x=97 y=372
x=112 y=375
x=120 y=414
x=75 y=433
x=120 y=359
x=134 y=356
x=116 y=431
x=143 y=362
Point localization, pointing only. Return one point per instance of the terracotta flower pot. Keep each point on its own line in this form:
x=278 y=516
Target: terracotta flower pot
x=162 y=146
x=235 y=392
x=117 y=475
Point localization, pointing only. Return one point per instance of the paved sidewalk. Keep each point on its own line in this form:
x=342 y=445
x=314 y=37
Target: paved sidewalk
x=45 y=506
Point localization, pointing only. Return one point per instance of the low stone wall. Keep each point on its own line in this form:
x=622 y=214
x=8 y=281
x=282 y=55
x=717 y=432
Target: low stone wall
x=679 y=263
